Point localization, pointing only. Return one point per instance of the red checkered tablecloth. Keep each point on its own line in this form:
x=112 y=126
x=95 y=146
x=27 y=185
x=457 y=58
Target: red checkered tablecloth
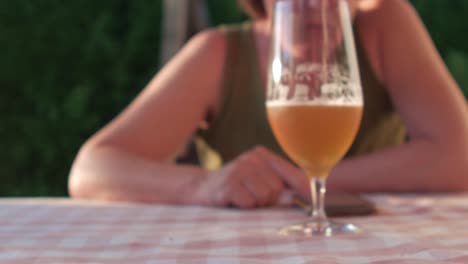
x=407 y=229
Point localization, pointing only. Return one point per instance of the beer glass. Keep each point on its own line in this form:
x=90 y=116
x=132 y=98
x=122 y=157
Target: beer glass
x=314 y=98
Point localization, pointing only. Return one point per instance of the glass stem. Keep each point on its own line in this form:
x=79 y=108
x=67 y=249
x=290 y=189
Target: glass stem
x=318 y=190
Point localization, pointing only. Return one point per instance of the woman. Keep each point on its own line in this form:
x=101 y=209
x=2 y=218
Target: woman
x=212 y=87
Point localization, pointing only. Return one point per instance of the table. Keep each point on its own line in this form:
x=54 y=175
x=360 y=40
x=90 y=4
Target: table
x=407 y=229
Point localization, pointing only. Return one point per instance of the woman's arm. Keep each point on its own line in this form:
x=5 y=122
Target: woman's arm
x=427 y=98
x=130 y=158
x=110 y=174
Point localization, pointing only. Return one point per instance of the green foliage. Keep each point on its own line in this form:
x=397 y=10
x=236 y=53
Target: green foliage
x=446 y=21
x=68 y=67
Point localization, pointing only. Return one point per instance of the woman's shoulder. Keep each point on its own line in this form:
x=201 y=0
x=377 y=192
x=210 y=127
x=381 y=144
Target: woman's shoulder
x=377 y=13
x=379 y=20
x=216 y=36
x=213 y=42
x=210 y=40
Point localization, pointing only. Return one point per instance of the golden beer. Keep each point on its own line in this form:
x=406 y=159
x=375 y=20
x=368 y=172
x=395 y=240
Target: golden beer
x=316 y=137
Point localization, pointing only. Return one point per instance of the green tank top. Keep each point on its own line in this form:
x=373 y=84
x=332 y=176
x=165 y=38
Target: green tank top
x=242 y=121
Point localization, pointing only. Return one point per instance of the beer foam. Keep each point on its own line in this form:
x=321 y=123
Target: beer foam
x=313 y=103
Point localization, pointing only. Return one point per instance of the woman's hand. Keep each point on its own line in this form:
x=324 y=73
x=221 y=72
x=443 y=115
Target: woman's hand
x=255 y=179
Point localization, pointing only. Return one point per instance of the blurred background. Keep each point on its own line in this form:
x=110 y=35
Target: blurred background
x=68 y=67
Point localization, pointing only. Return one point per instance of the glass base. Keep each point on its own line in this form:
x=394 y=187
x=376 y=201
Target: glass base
x=319 y=229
